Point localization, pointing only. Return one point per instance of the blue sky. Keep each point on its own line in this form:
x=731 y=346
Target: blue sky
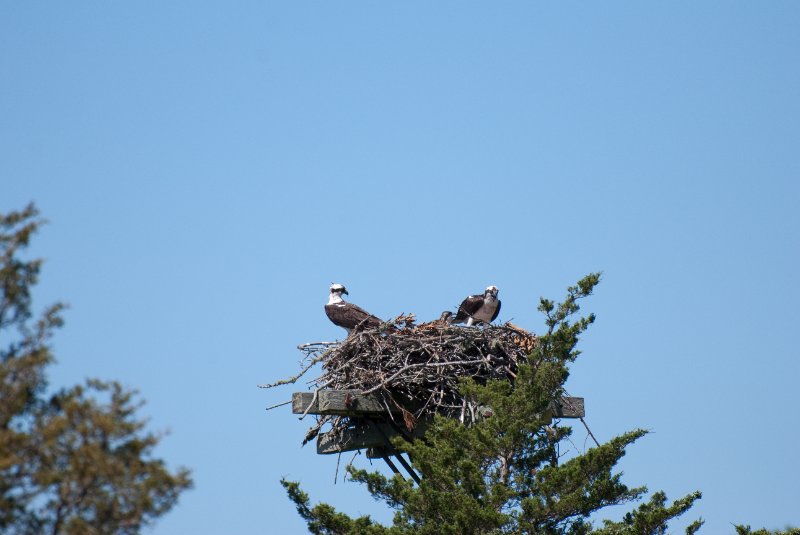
x=209 y=169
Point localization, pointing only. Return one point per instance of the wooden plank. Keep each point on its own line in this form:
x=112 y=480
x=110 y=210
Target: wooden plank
x=349 y=402
x=339 y=402
x=368 y=434
x=377 y=452
x=568 y=407
x=301 y=402
x=351 y=439
x=353 y=403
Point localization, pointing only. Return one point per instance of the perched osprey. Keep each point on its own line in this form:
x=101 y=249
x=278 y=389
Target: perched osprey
x=347 y=315
x=479 y=308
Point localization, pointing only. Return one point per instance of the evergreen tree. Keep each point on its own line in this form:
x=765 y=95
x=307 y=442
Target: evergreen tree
x=745 y=530
x=77 y=461
x=503 y=474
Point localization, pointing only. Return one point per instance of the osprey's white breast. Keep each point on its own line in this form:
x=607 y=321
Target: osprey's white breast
x=486 y=312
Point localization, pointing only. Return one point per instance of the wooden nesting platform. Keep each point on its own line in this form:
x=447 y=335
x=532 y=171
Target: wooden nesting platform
x=372 y=430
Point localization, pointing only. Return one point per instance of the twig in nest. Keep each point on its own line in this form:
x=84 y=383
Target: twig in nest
x=305 y=369
x=278 y=405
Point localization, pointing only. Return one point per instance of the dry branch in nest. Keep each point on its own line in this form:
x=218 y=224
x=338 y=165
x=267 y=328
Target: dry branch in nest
x=415 y=370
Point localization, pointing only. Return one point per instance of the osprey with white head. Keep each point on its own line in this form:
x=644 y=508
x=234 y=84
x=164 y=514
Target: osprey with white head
x=479 y=308
x=347 y=315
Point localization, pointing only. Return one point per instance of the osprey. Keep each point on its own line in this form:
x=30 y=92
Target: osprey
x=444 y=321
x=347 y=315
x=479 y=308
x=446 y=318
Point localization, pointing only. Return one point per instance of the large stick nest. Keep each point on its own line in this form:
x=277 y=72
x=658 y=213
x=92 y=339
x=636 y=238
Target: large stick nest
x=417 y=368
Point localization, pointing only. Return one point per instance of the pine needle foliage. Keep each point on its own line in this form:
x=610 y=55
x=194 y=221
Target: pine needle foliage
x=78 y=461
x=502 y=474
x=746 y=530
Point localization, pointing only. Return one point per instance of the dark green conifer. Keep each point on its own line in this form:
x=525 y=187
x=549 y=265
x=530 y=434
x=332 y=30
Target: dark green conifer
x=78 y=461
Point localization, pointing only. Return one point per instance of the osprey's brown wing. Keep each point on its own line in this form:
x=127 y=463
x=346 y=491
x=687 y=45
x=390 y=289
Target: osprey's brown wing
x=363 y=316
x=349 y=316
x=468 y=307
